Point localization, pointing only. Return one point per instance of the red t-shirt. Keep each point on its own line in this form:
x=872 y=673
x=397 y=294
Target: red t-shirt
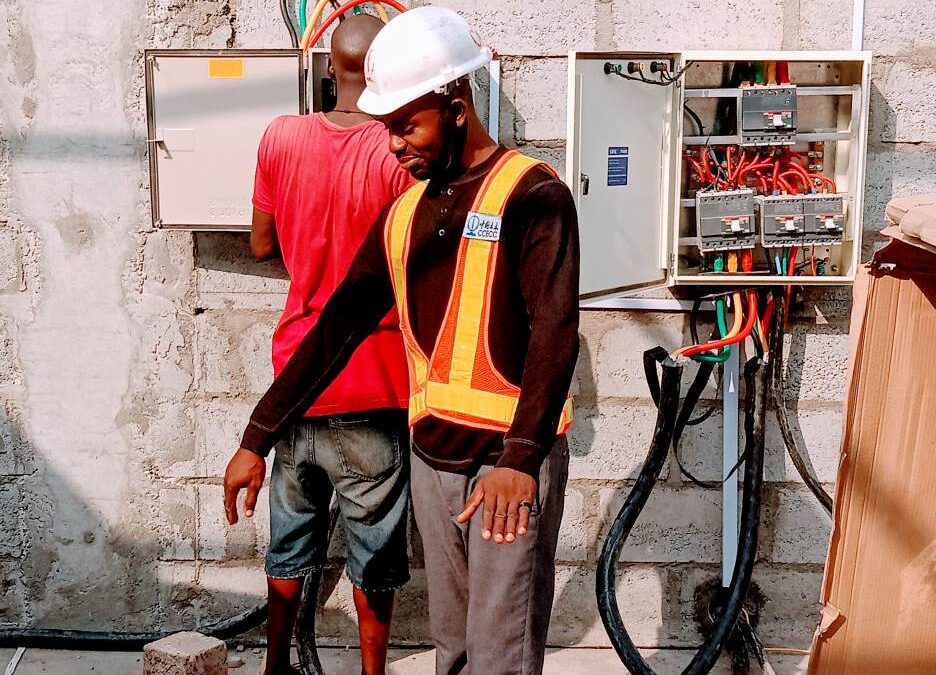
x=325 y=186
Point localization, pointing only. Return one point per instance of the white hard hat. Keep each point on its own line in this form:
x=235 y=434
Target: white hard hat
x=419 y=51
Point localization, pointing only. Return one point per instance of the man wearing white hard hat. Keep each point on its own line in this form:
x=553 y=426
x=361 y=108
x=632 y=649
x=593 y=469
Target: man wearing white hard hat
x=481 y=261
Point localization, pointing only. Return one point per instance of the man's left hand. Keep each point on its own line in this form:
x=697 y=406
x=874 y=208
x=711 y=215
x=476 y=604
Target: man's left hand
x=507 y=496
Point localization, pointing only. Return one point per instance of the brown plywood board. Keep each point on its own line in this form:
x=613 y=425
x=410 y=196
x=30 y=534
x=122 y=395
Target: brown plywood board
x=879 y=591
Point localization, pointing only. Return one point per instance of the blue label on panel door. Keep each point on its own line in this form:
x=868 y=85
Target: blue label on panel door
x=617 y=165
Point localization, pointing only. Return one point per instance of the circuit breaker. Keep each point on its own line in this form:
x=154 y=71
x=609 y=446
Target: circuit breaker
x=767 y=115
x=725 y=220
x=206 y=112
x=678 y=160
x=780 y=218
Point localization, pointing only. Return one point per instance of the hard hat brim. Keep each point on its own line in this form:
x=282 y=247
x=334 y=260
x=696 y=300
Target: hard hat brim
x=384 y=104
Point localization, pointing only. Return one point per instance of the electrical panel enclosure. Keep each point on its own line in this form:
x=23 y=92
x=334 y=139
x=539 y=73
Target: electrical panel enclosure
x=676 y=167
x=206 y=113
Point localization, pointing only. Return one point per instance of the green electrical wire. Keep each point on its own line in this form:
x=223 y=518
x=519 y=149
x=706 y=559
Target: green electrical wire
x=302 y=16
x=723 y=331
x=759 y=72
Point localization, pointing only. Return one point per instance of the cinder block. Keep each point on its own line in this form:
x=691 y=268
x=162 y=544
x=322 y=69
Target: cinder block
x=517 y=27
x=219 y=541
x=909 y=116
x=646 y=25
x=677 y=525
x=791 y=612
x=540 y=101
x=818 y=432
x=892 y=172
x=555 y=156
x=16 y=453
x=574 y=539
x=816 y=361
x=619 y=363
x=610 y=441
x=575 y=620
x=800 y=529
x=233 y=351
x=817 y=31
x=898 y=28
x=11 y=543
x=228 y=277
x=175 y=522
x=220 y=423
x=11 y=268
x=185 y=653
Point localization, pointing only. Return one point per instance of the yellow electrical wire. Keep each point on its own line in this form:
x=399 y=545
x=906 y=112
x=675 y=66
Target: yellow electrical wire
x=317 y=14
x=737 y=320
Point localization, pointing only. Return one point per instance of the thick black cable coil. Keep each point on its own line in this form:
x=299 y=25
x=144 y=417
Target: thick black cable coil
x=755 y=406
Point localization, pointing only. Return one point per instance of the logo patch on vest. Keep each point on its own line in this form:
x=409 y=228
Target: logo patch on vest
x=482 y=226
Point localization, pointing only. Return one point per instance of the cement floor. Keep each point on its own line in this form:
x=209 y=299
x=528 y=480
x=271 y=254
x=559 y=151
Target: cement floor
x=339 y=661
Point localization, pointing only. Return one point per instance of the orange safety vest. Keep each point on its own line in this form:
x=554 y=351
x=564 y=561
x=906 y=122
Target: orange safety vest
x=459 y=383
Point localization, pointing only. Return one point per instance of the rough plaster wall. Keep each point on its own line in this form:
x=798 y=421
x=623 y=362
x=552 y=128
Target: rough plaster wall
x=130 y=358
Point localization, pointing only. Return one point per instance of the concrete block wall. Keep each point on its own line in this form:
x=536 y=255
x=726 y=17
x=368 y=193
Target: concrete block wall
x=130 y=358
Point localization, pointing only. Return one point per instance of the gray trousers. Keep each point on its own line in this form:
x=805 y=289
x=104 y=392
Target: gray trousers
x=489 y=604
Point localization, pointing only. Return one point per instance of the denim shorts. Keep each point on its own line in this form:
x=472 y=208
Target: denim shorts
x=364 y=458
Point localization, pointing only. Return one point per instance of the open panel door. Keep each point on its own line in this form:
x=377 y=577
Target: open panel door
x=622 y=139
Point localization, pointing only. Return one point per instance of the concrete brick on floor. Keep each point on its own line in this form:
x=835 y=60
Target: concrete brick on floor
x=186 y=653
x=677 y=525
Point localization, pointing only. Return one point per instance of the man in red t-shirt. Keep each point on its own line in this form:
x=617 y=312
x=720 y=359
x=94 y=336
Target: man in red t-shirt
x=321 y=181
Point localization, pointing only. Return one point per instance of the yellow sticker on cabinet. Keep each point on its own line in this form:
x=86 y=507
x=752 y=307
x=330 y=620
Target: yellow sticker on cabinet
x=226 y=69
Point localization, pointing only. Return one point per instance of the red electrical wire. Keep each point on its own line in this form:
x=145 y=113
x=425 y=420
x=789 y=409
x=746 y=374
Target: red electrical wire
x=344 y=8
x=718 y=344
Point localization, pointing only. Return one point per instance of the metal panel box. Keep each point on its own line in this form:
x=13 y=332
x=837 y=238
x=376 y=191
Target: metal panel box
x=632 y=132
x=206 y=113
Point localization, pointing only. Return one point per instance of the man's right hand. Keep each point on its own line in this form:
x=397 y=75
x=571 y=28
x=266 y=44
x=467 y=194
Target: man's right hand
x=245 y=470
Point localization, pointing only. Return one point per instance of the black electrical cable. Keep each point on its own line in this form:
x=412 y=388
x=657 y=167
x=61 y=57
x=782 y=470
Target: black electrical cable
x=114 y=641
x=755 y=412
x=664 y=81
x=700 y=128
x=293 y=35
x=627 y=516
x=107 y=641
x=778 y=400
x=306 y=645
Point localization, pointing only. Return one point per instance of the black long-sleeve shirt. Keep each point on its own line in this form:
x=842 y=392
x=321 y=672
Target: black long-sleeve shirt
x=534 y=320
